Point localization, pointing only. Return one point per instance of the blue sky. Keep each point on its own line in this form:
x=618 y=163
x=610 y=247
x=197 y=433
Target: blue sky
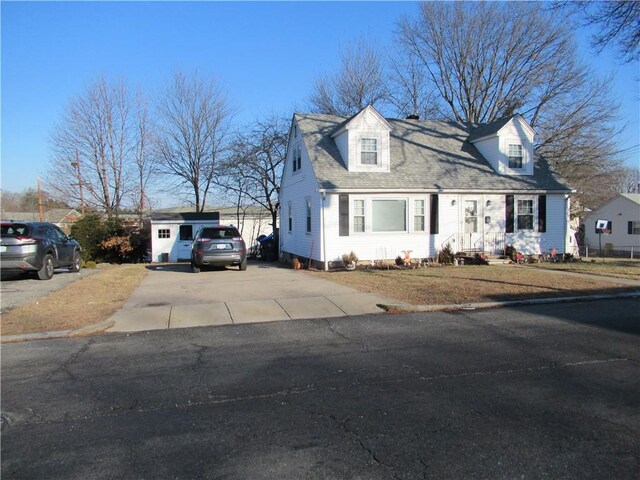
x=265 y=54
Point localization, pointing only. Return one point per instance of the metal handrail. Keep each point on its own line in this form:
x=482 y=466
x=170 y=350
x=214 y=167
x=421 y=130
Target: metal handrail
x=443 y=244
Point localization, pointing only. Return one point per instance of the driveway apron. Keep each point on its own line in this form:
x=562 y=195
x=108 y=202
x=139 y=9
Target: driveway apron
x=173 y=297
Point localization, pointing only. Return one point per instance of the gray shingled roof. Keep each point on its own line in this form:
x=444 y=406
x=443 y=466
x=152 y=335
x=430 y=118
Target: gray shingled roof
x=425 y=155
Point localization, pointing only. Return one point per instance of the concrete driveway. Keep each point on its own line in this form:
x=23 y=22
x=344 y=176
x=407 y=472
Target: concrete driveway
x=173 y=297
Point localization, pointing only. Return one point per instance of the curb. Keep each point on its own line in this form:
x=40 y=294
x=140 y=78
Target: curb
x=389 y=308
x=80 y=332
x=406 y=308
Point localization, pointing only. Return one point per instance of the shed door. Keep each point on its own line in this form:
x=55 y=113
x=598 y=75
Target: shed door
x=184 y=242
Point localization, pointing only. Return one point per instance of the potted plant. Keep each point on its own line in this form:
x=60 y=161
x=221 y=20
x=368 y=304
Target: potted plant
x=349 y=260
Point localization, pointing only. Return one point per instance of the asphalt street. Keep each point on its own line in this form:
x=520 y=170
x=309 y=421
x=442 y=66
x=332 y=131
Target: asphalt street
x=550 y=391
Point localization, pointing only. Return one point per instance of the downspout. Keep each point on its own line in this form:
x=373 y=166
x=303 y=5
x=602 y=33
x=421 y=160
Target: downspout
x=324 y=243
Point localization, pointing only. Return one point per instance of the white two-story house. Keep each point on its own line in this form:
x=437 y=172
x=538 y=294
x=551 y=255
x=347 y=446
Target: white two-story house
x=381 y=187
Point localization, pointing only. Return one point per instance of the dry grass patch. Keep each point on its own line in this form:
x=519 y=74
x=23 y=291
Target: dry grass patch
x=608 y=267
x=87 y=301
x=455 y=285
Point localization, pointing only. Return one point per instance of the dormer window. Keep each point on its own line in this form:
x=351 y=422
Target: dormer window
x=515 y=156
x=369 y=151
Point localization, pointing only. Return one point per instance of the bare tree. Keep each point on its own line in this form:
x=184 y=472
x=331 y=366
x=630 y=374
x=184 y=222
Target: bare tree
x=144 y=167
x=410 y=92
x=359 y=82
x=254 y=171
x=92 y=145
x=491 y=60
x=193 y=129
x=616 y=21
x=629 y=180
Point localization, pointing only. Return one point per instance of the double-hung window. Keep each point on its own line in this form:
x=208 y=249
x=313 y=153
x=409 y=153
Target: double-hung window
x=308 y=215
x=524 y=215
x=418 y=215
x=290 y=217
x=369 y=151
x=515 y=156
x=358 y=216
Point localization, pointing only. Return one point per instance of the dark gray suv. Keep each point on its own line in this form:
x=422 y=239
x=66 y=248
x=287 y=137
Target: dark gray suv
x=218 y=246
x=37 y=247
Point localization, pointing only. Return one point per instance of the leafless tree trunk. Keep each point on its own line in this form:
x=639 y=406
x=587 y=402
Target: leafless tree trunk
x=359 y=82
x=94 y=138
x=193 y=116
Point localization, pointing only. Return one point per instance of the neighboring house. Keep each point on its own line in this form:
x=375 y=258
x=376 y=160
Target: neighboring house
x=381 y=187
x=623 y=229
x=172 y=234
x=62 y=217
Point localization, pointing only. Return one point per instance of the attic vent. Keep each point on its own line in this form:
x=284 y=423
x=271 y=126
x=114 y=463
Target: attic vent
x=413 y=117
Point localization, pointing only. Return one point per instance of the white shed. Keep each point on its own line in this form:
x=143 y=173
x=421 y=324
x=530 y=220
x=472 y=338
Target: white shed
x=172 y=234
x=622 y=214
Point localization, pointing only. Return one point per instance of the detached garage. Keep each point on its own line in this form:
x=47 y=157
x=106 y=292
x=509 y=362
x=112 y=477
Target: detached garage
x=172 y=234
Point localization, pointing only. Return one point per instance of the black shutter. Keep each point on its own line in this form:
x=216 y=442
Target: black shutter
x=433 y=212
x=343 y=213
x=509 y=213
x=542 y=213
x=630 y=228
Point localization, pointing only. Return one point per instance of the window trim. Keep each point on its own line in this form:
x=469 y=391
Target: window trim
x=515 y=157
x=396 y=199
x=364 y=150
x=420 y=215
x=517 y=214
x=356 y=214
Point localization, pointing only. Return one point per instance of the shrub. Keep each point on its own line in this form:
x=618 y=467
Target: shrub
x=90 y=264
x=510 y=252
x=446 y=255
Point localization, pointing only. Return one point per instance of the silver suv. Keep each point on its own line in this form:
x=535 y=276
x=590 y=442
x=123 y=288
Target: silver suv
x=37 y=247
x=218 y=246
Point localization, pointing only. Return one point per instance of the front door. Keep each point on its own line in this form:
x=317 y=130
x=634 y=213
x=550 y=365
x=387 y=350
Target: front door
x=184 y=242
x=471 y=237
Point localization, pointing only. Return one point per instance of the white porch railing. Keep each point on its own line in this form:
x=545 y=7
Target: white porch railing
x=492 y=243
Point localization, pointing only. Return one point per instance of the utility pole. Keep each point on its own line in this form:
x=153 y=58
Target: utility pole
x=40 y=207
x=76 y=164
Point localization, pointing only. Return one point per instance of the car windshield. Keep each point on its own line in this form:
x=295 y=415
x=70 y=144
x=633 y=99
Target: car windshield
x=215 y=233
x=15 y=230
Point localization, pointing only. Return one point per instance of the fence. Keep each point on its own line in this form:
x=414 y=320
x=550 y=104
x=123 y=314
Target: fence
x=608 y=251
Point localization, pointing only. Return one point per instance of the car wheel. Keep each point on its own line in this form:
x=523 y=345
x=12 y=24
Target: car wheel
x=195 y=268
x=75 y=266
x=46 y=272
x=243 y=265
